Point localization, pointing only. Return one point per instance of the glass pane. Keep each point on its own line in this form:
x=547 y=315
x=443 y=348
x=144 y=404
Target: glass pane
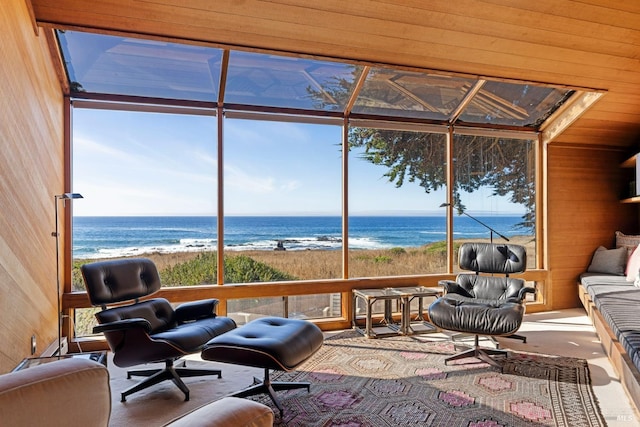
x=287 y=82
x=282 y=201
x=502 y=103
x=396 y=183
x=314 y=306
x=98 y=63
x=247 y=309
x=396 y=93
x=84 y=321
x=149 y=187
x=495 y=189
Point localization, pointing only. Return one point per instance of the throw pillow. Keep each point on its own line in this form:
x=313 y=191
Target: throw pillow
x=629 y=242
x=633 y=265
x=609 y=261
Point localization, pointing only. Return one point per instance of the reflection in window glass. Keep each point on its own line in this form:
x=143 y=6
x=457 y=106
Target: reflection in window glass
x=100 y=63
x=495 y=185
x=397 y=181
x=388 y=92
x=287 y=82
x=501 y=103
x=149 y=187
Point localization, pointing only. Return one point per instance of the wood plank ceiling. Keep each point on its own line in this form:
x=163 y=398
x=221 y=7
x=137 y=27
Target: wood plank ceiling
x=587 y=44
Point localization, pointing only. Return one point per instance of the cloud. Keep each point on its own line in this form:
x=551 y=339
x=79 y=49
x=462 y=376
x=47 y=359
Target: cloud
x=242 y=181
x=92 y=148
x=290 y=186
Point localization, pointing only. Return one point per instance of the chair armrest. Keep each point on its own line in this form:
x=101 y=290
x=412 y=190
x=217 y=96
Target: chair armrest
x=453 y=287
x=121 y=325
x=195 y=310
x=524 y=291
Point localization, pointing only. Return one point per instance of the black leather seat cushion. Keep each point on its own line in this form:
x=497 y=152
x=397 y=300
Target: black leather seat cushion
x=163 y=325
x=192 y=336
x=269 y=342
x=474 y=316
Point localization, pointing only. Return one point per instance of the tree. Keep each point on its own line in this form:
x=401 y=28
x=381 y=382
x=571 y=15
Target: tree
x=505 y=165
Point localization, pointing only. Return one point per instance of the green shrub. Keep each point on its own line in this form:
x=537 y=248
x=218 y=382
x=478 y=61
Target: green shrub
x=243 y=269
x=397 y=251
x=203 y=269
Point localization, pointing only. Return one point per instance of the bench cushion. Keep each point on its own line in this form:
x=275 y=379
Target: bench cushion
x=617 y=301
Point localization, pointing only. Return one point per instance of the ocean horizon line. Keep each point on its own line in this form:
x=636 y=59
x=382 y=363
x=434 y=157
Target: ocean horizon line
x=408 y=215
x=109 y=236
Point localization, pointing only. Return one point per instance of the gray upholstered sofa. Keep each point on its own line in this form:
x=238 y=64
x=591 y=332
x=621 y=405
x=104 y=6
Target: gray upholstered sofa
x=76 y=392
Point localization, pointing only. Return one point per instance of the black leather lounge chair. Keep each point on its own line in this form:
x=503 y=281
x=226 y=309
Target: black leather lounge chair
x=151 y=330
x=483 y=304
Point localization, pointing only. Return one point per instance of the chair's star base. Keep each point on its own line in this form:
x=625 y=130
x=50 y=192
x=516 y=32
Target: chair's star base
x=170 y=372
x=481 y=353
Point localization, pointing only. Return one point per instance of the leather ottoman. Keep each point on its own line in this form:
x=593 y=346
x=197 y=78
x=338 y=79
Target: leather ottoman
x=269 y=343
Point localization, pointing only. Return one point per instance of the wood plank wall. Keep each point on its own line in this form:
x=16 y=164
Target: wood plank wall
x=31 y=157
x=584 y=212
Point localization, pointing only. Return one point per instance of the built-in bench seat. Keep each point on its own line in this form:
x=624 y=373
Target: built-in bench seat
x=613 y=305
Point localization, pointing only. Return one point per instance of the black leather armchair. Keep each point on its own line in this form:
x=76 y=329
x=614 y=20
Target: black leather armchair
x=481 y=304
x=151 y=330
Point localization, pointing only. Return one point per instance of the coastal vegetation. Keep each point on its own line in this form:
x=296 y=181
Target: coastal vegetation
x=195 y=268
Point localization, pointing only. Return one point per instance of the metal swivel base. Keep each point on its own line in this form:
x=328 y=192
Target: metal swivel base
x=267 y=386
x=480 y=353
x=170 y=372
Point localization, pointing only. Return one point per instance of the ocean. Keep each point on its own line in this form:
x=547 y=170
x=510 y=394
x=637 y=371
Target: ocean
x=104 y=237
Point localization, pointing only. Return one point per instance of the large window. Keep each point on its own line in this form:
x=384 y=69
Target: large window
x=149 y=182
x=149 y=187
x=397 y=180
x=494 y=190
x=282 y=203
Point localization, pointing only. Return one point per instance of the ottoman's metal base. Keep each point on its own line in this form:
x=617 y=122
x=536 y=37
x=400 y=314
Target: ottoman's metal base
x=267 y=386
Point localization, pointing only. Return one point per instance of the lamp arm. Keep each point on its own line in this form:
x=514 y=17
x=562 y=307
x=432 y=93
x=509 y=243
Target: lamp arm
x=485 y=225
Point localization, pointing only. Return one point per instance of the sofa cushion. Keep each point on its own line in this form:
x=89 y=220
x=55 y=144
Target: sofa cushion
x=627 y=241
x=619 y=310
x=633 y=265
x=53 y=394
x=610 y=261
x=228 y=411
x=601 y=284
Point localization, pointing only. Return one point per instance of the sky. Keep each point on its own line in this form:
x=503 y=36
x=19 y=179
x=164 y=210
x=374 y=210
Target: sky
x=132 y=163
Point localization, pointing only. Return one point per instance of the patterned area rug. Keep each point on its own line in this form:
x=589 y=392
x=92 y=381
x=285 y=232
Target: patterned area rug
x=402 y=381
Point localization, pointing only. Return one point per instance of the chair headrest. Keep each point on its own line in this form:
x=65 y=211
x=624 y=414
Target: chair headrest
x=113 y=281
x=492 y=258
